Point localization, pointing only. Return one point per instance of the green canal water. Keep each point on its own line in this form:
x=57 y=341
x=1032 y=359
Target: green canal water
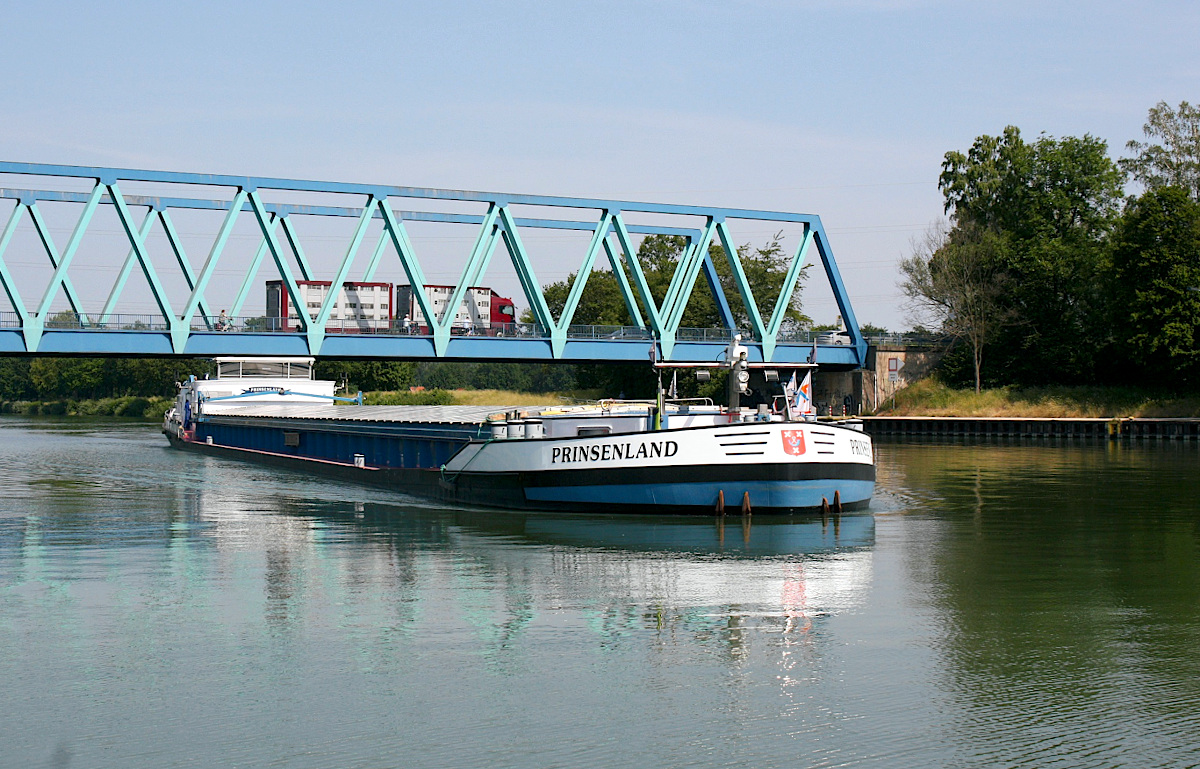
x=1002 y=605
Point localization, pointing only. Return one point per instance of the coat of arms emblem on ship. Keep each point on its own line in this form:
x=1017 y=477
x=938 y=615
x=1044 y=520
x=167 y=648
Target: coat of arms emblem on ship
x=793 y=441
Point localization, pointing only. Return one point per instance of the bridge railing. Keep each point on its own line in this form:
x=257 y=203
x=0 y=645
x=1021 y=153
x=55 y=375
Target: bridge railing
x=258 y=324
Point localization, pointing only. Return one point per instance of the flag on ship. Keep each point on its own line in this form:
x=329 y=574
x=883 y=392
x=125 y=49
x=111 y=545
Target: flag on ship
x=804 y=401
x=799 y=397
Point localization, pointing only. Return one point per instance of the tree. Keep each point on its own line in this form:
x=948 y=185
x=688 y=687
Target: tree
x=15 y=383
x=1053 y=188
x=955 y=280
x=1042 y=211
x=368 y=375
x=70 y=377
x=52 y=378
x=1156 y=270
x=1175 y=159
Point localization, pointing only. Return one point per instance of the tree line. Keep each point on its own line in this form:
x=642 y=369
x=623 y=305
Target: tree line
x=1048 y=273
x=28 y=378
x=47 y=379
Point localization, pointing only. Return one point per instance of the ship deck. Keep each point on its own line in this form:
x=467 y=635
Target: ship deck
x=439 y=415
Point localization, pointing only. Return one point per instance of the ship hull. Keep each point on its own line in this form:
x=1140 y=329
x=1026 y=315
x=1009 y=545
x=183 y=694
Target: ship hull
x=690 y=471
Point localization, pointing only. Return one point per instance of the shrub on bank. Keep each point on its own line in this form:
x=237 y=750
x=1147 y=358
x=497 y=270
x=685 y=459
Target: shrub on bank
x=134 y=406
x=130 y=407
x=402 y=398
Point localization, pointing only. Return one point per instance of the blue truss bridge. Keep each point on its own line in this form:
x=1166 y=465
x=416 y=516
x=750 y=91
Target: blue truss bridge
x=82 y=298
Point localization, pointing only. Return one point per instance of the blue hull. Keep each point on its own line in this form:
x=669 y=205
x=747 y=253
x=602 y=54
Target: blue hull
x=807 y=494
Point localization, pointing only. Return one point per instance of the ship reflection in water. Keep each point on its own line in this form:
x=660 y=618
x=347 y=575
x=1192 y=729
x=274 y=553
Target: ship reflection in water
x=623 y=572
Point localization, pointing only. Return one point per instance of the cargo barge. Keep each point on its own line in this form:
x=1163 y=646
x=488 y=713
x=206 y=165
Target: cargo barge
x=612 y=456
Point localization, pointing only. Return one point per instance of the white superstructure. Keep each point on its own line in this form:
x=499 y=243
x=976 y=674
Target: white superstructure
x=246 y=381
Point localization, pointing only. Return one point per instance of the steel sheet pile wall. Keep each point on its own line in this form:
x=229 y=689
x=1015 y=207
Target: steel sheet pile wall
x=1024 y=427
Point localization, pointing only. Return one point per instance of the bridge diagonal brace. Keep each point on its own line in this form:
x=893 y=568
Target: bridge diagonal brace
x=252 y=272
x=489 y=250
x=335 y=287
x=657 y=315
x=740 y=281
x=185 y=266
x=6 y=278
x=839 y=292
x=677 y=277
x=493 y=243
x=636 y=273
x=139 y=246
x=123 y=275
x=689 y=269
x=31 y=327
x=408 y=260
x=294 y=243
x=285 y=272
x=785 y=295
x=525 y=273
x=181 y=327
x=599 y=237
x=443 y=326
x=618 y=270
x=63 y=263
x=376 y=256
x=718 y=292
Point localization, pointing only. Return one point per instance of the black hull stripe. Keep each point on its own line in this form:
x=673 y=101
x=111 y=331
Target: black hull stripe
x=806 y=471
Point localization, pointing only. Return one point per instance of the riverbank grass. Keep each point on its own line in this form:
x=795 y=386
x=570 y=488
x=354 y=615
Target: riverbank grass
x=930 y=398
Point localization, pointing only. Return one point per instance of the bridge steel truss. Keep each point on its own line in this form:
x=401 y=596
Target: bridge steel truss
x=191 y=330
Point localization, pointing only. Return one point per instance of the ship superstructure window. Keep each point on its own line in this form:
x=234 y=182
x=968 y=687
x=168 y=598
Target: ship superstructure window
x=285 y=369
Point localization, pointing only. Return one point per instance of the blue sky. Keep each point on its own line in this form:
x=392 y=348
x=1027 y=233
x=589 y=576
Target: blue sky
x=838 y=109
